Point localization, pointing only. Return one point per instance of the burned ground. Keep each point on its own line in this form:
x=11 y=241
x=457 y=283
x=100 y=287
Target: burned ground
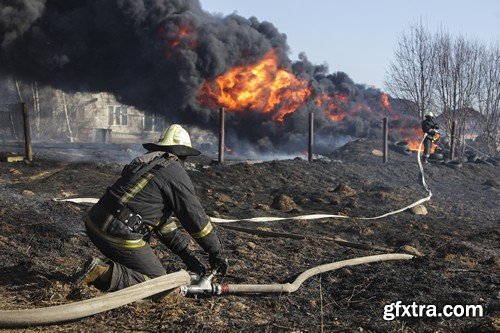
x=42 y=243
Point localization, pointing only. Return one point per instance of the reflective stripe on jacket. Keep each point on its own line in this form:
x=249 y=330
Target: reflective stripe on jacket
x=163 y=190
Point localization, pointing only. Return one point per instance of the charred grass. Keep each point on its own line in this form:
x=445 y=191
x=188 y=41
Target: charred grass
x=42 y=244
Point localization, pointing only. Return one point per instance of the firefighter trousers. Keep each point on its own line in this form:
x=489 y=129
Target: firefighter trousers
x=129 y=266
x=427 y=147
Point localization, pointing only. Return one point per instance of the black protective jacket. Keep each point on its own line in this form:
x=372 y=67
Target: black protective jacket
x=429 y=126
x=155 y=195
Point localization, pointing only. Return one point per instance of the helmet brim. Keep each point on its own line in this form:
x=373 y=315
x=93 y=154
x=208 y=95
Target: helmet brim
x=178 y=150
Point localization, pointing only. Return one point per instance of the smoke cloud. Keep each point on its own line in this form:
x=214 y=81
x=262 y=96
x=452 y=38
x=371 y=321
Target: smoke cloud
x=156 y=54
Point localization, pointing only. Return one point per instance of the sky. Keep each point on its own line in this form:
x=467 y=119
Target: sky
x=359 y=37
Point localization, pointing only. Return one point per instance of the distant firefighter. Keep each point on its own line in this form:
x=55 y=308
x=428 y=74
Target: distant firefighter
x=431 y=129
x=140 y=203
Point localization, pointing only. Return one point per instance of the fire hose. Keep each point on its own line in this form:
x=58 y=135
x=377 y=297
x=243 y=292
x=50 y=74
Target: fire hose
x=89 y=307
x=181 y=280
x=309 y=216
x=204 y=286
x=321 y=216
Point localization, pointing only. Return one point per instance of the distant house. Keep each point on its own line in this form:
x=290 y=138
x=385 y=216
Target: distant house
x=469 y=120
x=56 y=116
x=100 y=118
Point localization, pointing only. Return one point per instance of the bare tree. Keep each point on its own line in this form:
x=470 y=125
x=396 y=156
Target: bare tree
x=411 y=75
x=488 y=97
x=457 y=80
x=65 y=108
x=36 y=108
x=19 y=91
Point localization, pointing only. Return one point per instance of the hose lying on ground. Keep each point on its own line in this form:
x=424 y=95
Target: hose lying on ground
x=66 y=312
x=79 y=200
x=291 y=287
x=76 y=310
x=310 y=216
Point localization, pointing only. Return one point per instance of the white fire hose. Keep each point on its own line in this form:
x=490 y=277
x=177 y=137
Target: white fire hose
x=322 y=216
x=181 y=279
x=206 y=287
x=89 y=307
x=305 y=217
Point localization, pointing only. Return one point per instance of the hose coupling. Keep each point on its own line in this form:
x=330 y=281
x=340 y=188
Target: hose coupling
x=220 y=288
x=202 y=285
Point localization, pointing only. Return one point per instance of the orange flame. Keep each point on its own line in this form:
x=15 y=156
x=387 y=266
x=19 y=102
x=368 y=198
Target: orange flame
x=414 y=138
x=332 y=105
x=173 y=39
x=361 y=107
x=412 y=143
x=181 y=35
x=262 y=87
x=384 y=100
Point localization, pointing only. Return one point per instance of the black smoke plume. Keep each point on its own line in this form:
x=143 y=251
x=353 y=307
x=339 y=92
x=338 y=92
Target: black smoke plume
x=156 y=54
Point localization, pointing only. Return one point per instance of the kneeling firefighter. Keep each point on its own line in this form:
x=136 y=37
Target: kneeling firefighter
x=138 y=204
x=430 y=127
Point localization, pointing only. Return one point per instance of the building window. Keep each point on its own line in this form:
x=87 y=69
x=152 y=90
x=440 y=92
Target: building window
x=117 y=115
x=153 y=123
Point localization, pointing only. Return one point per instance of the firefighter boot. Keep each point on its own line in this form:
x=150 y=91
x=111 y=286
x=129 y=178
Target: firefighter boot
x=95 y=272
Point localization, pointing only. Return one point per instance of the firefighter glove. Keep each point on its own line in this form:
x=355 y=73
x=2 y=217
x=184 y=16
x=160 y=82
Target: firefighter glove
x=192 y=263
x=218 y=262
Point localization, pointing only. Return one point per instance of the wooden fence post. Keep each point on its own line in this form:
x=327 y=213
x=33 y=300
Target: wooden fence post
x=27 y=133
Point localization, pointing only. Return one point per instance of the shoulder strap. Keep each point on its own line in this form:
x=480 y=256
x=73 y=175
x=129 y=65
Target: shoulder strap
x=162 y=160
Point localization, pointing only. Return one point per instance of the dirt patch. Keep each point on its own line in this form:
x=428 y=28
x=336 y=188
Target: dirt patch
x=42 y=242
x=285 y=203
